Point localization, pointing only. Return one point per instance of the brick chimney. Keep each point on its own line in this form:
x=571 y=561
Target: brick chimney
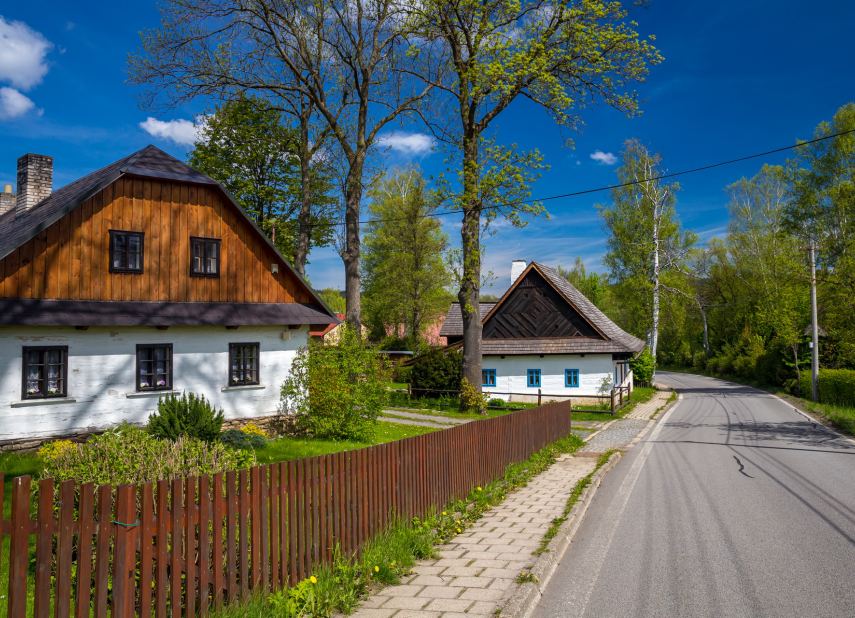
x=35 y=181
x=7 y=200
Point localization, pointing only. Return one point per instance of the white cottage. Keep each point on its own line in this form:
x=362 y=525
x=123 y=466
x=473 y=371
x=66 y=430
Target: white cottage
x=140 y=279
x=543 y=334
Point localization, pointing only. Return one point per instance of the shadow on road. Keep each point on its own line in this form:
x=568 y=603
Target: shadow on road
x=797 y=435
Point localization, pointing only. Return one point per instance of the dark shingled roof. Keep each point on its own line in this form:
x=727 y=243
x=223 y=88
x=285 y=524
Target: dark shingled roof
x=453 y=325
x=150 y=162
x=41 y=312
x=618 y=341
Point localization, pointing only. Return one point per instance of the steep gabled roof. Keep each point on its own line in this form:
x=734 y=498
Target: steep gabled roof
x=611 y=330
x=150 y=162
x=614 y=340
x=453 y=324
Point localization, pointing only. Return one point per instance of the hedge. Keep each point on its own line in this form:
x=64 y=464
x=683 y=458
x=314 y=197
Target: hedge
x=836 y=386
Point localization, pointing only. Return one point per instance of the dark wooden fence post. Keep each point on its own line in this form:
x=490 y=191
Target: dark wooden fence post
x=538 y=396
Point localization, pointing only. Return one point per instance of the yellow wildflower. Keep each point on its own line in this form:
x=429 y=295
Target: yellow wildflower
x=479 y=489
x=377 y=569
x=313 y=579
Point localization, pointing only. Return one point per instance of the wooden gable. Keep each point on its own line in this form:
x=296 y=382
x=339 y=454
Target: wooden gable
x=70 y=258
x=533 y=309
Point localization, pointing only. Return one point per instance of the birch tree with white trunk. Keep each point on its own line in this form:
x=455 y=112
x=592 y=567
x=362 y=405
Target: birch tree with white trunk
x=646 y=242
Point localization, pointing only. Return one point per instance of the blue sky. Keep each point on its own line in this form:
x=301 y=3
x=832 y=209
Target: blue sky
x=739 y=77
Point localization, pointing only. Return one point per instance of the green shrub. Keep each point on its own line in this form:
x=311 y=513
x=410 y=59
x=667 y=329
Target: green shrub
x=836 y=386
x=642 y=369
x=438 y=370
x=191 y=415
x=496 y=403
x=337 y=391
x=236 y=438
x=471 y=400
x=132 y=455
x=402 y=374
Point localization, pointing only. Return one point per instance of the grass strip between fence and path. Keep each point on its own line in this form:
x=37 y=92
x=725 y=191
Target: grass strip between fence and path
x=571 y=502
x=392 y=554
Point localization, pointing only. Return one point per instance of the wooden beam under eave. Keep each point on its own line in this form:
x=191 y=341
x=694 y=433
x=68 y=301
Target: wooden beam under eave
x=162 y=327
x=232 y=327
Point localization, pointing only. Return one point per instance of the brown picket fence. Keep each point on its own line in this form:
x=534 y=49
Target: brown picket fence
x=183 y=546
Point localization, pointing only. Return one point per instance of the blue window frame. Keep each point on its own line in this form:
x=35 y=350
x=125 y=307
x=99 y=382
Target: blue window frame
x=533 y=380
x=571 y=378
x=488 y=377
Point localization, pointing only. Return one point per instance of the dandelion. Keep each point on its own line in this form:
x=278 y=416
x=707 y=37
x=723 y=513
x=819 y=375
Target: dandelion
x=479 y=489
x=444 y=513
x=537 y=579
x=313 y=579
x=458 y=530
x=377 y=569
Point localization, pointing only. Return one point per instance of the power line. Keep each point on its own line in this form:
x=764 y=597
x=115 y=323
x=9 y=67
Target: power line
x=610 y=187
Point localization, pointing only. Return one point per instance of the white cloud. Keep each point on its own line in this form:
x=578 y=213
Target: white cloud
x=14 y=104
x=22 y=54
x=414 y=144
x=180 y=131
x=604 y=158
x=69 y=25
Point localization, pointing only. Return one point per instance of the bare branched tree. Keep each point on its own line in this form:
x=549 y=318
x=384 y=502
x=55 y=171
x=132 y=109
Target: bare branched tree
x=350 y=65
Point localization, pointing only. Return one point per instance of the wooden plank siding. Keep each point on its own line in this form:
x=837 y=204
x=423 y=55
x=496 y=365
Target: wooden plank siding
x=70 y=259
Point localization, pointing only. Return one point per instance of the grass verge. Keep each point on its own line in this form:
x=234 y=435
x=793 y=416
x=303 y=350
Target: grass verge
x=571 y=502
x=392 y=554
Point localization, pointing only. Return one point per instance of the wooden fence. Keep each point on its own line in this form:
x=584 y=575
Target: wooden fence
x=191 y=544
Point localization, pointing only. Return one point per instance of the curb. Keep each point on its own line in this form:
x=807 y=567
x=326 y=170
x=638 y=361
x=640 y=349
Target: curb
x=525 y=599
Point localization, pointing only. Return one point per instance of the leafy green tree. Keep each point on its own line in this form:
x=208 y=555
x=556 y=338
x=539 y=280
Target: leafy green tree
x=333 y=298
x=404 y=267
x=558 y=55
x=338 y=390
x=646 y=241
x=594 y=287
x=246 y=146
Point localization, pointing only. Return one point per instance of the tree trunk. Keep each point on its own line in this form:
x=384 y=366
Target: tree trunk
x=706 y=332
x=304 y=237
x=352 y=251
x=471 y=281
x=654 y=337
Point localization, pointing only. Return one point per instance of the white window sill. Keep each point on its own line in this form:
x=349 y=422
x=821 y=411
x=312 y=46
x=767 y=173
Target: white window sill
x=151 y=394
x=23 y=403
x=244 y=387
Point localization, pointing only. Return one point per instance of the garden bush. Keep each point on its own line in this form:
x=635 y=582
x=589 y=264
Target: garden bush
x=191 y=415
x=237 y=438
x=438 y=370
x=54 y=449
x=496 y=403
x=337 y=391
x=836 y=386
x=402 y=373
x=253 y=430
x=642 y=369
x=130 y=454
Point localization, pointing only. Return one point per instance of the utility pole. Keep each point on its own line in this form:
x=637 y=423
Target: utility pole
x=814 y=352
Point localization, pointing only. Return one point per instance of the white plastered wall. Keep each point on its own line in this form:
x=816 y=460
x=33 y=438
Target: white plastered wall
x=102 y=374
x=512 y=372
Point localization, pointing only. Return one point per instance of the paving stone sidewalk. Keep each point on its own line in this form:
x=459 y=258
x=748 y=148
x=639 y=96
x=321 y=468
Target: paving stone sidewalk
x=622 y=431
x=475 y=574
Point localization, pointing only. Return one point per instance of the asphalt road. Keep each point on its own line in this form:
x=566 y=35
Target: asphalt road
x=733 y=505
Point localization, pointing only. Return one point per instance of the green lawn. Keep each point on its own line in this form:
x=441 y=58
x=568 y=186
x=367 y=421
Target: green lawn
x=12 y=466
x=288 y=448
